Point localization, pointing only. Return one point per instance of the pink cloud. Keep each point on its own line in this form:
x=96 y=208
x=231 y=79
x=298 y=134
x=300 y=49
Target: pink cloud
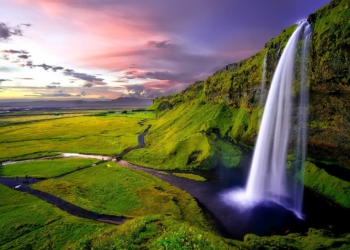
x=160 y=85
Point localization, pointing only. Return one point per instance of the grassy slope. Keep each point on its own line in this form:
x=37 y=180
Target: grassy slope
x=108 y=135
x=158 y=232
x=185 y=135
x=44 y=168
x=323 y=183
x=112 y=189
x=26 y=222
x=182 y=139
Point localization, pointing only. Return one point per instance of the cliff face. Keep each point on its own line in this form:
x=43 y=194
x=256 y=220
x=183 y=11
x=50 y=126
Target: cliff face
x=237 y=86
x=329 y=114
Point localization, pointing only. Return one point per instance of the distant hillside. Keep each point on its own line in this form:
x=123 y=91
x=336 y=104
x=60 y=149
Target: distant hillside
x=121 y=101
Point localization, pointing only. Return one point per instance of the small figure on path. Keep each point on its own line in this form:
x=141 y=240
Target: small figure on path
x=33 y=179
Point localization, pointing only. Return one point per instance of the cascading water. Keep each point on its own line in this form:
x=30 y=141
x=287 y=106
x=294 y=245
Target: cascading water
x=301 y=135
x=268 y=174
x=263 y=91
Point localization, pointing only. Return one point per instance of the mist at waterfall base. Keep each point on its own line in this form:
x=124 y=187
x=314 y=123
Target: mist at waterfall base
x=283 y=126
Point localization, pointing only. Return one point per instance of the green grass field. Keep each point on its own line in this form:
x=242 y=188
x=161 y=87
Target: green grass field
x=20 y=117
x=44 y=168
x=27 y=222
x=11 y=120
x=163 y=217
x=108 y=135
x=113 y=189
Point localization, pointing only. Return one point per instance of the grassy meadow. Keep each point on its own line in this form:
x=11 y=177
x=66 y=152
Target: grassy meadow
x=106 y=134
x=30 y=223
x=161 y=216
x=27 y=222
x=109 y=188
x=44 y=168
x=20 y=117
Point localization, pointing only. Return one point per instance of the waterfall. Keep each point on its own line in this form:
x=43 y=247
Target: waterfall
x=268 y=174
x=301 y=133
x=263 y=91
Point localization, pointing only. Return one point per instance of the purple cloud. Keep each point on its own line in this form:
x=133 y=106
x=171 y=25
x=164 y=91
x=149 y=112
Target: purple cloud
x=7 y=32
x=53 y=85
x=24 y=56
x=11 y=51
x=159 y=45
x=82 y=76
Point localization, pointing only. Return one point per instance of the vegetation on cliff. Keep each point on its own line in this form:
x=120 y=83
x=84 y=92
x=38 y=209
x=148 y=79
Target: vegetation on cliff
x=335 y=188
x=237 y=86
x=329 y=110
x=226 y=104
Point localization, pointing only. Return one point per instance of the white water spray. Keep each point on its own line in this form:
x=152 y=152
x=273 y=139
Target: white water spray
x=268 y=174
x=263 y=91
x=301 y=133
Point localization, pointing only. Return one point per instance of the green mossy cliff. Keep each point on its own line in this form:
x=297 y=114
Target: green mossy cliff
x=224 y=107
x=329 y=110
x=238 y=84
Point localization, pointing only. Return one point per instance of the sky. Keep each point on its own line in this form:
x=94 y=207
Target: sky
x=105 y=49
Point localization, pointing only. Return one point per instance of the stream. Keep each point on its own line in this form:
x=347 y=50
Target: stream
x=264 y=219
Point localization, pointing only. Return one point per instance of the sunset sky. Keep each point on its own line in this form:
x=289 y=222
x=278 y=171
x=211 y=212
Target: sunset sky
x=104 y=49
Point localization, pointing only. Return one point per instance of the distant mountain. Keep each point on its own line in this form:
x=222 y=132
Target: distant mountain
x=131 y=101
x=121 y=101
